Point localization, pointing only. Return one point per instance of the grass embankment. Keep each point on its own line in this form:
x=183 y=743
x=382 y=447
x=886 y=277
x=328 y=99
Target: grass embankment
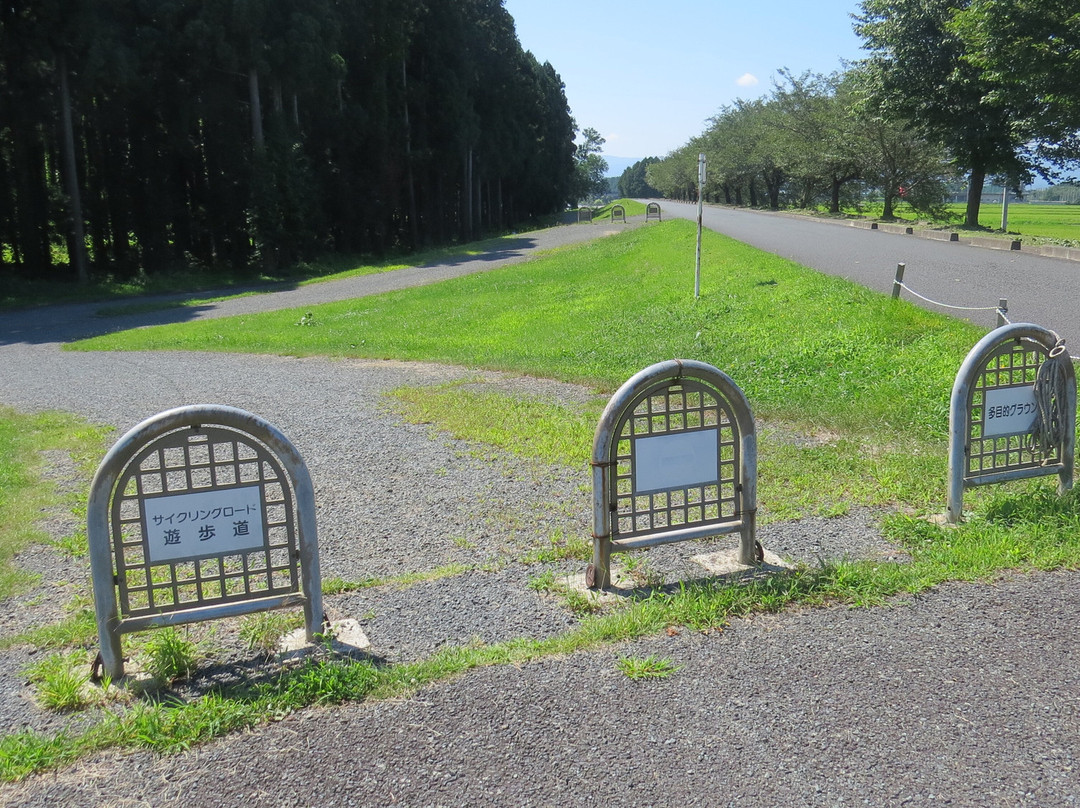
x=817 y=356
x=1057 y=224
x=852 y=387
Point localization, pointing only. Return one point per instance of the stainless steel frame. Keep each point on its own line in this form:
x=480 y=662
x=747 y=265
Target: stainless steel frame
x=199 y=449
x=676 y=396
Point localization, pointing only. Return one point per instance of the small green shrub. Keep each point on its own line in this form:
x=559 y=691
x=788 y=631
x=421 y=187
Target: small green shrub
x=170 y=656
x=650 y=667
x=60 y=684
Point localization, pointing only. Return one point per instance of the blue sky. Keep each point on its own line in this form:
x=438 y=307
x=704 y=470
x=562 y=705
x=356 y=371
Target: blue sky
x=647 y=74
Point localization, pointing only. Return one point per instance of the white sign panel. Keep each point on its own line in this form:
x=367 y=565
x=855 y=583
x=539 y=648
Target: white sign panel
x=678 y=460
x=1008 y=411
x=203 y=524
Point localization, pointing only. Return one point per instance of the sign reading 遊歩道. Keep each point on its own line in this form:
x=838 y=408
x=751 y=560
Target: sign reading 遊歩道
x=197 y=513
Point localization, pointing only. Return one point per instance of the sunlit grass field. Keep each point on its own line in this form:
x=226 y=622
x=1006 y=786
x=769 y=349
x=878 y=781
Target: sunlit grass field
x=1039 y=222
x=1056 y=222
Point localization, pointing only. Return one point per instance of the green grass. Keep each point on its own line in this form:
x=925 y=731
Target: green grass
x=650 y=667
x=1058 y=224
x=24 y=494
x=805 y=347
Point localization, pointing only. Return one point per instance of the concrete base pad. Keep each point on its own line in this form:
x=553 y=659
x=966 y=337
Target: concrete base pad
x=346 y=637
x=726 y=562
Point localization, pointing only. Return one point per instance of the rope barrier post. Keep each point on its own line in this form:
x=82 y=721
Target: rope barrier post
x=1003 y=309
x=898 y=281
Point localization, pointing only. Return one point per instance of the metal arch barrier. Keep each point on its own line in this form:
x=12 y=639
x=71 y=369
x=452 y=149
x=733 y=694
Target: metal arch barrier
x=585 y=215
x=719 y=496
x=652 y=211
x=1008 y=358
x=117 y=529
x=618 y=212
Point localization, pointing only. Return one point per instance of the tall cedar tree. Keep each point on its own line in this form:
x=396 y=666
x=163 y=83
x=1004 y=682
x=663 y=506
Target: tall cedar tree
x=259 y=132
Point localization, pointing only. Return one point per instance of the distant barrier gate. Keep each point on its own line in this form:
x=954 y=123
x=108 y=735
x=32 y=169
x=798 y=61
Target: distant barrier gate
x=674 y=458
x=1017 y=382
x=197 y=513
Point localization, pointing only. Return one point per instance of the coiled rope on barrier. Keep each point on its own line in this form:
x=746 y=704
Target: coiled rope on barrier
x=1051 y=390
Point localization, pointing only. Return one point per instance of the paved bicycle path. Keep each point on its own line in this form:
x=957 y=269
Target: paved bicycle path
x=1040 y=290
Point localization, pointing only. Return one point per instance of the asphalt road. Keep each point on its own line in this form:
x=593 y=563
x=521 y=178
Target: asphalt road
x=1039 y=290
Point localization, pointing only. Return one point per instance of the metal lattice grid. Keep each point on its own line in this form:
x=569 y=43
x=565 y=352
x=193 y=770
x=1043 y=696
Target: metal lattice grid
x=195 y=461
x=1014 y=366
x=685 y=407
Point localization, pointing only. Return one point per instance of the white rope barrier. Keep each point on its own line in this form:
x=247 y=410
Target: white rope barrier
x=1001 y=308
x=946 y=305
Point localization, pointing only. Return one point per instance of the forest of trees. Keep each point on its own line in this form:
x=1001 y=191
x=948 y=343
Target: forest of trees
x=978 y=89
x=136 y=135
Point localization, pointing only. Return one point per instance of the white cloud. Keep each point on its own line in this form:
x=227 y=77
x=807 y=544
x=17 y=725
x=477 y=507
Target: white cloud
x=747 y=80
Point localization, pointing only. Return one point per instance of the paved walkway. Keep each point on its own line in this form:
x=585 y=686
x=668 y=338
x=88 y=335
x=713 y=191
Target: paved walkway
x=1040 y=290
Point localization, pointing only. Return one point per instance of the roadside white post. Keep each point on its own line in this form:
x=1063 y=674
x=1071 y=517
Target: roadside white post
x=1005 y=209
x=197 y=513
x=700 y=203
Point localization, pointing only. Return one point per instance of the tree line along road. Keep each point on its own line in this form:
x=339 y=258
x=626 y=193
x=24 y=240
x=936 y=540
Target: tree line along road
x=1038 y=289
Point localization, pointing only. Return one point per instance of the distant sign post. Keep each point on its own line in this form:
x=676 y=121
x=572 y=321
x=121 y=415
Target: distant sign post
x=674 y=458
x=994 y=409
x=198 y=513
x=700 y=211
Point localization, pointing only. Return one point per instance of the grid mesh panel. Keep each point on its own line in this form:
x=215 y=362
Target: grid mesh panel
x=685 y=407
x=1014 y=366
x=192 y=461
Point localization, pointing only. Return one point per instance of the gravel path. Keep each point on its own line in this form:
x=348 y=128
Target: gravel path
x=967 y=696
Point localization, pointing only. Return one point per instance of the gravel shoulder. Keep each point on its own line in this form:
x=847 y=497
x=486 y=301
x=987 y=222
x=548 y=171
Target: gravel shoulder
x=967 y=695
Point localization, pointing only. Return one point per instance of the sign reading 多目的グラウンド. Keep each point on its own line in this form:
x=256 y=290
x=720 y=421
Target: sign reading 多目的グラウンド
x=1008 y=411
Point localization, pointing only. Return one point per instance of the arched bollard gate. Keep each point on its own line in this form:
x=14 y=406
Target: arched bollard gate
x=618 y=213
x=674 y=459
x=1013 y=412
x=652 y=211
x=198 y=513
x=584 y=215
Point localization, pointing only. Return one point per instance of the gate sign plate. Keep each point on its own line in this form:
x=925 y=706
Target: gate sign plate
x=1009 y=411
x=679 y=460
x=203 y=524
